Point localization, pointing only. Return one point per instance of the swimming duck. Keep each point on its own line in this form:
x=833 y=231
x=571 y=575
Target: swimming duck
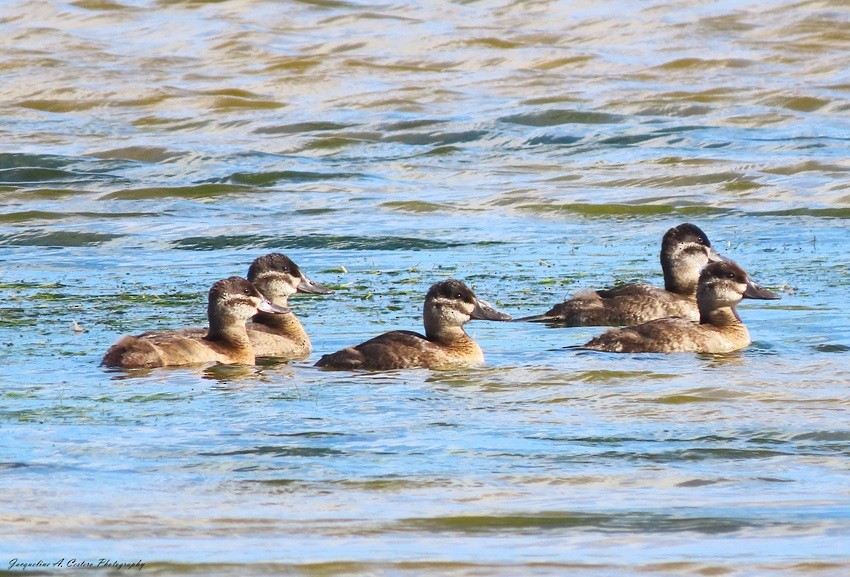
x=448 y=305
x=231 y=302
x=685 y=250
x=721 y=287
x=280 y=335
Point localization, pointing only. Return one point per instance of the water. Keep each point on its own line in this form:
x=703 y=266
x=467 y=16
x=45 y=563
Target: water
x=148 y=149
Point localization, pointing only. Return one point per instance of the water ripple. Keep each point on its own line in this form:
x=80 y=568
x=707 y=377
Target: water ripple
x=313 y=241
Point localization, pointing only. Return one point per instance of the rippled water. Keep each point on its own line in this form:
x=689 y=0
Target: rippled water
x=532 y=149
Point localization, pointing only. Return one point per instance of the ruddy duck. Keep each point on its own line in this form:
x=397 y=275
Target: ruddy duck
x=231 y=302
x=280 y=335
x=722 y=285
x=685 y=250
x=448 y=305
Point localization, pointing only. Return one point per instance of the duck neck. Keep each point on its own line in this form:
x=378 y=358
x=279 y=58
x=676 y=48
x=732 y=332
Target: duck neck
x=283 y=324
x=442 y=333
x=227 y=328
x=676 y=284
x=721 y=317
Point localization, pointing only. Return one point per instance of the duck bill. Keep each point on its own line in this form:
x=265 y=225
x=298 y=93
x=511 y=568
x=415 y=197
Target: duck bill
x=754 y=291
x=535 y=319
x=483 y=311
x=312 y=287
x=714 y=256
x=267 y=307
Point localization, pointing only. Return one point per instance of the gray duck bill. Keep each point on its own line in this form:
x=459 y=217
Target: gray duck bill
x=485 y=312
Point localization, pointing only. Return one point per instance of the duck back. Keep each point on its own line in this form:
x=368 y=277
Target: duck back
x=672 y=335
x=179 y=347
x=402 y=350
x=624 y=305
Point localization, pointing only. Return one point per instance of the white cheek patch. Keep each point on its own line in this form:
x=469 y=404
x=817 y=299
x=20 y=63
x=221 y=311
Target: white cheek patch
x=272 y=276
x=277 y=283
x=443 y=301
x=239 y=300
x=693 y=252
x=733 y=293
x=452 y=310
x=725 y=292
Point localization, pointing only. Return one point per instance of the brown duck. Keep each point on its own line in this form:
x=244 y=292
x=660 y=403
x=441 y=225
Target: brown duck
x=274 y=334
x=448 y=306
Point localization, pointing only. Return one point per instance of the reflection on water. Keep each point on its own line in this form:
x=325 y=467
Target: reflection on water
x=150 y=148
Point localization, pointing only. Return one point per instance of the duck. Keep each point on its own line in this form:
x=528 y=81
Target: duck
x=685 y=250
x=720 y=288
x=274 y=334
x=449 y=304
x=231 y=302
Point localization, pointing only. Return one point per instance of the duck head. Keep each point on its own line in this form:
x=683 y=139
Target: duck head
x=277 y=277
x=685 y=250
x=236 y=300
x=725 y=283
x=452 y=303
